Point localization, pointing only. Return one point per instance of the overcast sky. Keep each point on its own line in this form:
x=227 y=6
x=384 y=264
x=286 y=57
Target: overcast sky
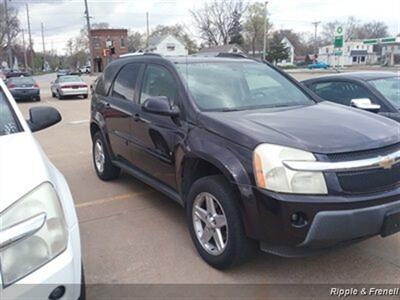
x=64 y=18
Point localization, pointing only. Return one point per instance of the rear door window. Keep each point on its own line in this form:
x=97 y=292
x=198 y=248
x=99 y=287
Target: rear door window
x=125 y=82
x=341 y=92
x=8 y=121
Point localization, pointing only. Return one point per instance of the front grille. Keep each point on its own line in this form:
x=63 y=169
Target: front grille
x=369 y=181
x=348 y=156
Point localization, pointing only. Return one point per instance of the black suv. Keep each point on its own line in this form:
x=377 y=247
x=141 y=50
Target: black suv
x=250 y=154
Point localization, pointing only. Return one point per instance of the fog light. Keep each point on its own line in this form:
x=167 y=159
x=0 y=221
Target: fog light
x=57 y=293
x=298 y=219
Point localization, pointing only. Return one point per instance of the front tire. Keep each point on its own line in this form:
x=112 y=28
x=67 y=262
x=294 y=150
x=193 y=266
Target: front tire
x=215 y=223
x=105 y=170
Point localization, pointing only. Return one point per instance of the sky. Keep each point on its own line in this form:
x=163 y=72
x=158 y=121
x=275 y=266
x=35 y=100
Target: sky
x=63 y=19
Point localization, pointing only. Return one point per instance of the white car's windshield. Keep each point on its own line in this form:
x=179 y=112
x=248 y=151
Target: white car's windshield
x=388 y=87
x=8 y=122
x=239 y=85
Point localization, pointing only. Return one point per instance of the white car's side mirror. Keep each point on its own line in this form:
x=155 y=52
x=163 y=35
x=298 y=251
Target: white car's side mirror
x=365 y=104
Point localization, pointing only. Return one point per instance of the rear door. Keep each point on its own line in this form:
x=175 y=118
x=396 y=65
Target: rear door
x=118 y=109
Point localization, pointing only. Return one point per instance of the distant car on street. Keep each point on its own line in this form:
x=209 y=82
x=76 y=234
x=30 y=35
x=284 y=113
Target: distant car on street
x=24 y=88
x=40 y=249
x=16 y=73
x=69 y=85
x=377 y=92
x=62 y=72
x=85 y=69
x=318 y=65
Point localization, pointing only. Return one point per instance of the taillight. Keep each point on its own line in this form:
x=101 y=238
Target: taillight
x=83 y=86
x=36 y=85
x=66 y=87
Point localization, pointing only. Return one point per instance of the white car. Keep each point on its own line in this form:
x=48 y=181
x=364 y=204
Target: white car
x=69 y=85
x=40 y=250
x=85 y=69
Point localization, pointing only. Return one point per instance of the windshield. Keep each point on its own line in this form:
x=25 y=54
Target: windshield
x=388 y=87
x=228 y=86
x=70 y=79
x=8 y=122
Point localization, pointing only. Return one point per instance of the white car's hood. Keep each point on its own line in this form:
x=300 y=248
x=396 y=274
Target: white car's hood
x=23 y=166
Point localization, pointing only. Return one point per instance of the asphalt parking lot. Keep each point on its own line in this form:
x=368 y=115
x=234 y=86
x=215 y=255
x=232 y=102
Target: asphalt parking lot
x=133 y=234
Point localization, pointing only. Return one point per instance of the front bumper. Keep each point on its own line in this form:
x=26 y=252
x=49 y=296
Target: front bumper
x=330 y=220
x=64 y=270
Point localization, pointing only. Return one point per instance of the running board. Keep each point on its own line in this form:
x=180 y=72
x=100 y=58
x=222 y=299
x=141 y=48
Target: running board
x=163 y=188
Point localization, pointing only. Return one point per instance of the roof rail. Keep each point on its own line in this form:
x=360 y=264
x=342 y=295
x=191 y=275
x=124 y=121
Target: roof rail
x=152 y=54
x=231 y=55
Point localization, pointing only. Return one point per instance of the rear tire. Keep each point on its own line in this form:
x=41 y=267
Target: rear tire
x=105 y=170
x=85 y=96
x=236 y=247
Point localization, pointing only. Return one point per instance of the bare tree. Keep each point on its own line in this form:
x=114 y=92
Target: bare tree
x=14 y=25
x=216 y=20
x=254 y=26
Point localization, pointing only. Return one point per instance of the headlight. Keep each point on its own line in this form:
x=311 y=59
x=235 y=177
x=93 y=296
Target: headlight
x=271 y=174
x=23 y=251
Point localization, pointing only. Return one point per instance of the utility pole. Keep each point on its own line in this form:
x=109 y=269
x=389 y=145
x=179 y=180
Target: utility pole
x=148 y=30
x=9 y=51
x=44 y=48
x=89 y=36
x=24 y=46
x=315 y=38
x=265 y=31
x=30 y=35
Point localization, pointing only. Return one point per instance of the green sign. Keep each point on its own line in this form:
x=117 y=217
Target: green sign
x=388 y=40
x=370 y=42
x=339 y=30
x=338 y=52
x=338 y=41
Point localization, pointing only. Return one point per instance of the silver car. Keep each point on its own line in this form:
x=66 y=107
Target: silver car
x=69 y=85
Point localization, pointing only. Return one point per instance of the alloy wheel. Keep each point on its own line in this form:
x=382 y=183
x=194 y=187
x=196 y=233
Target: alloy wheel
x=99 y=157
x=210 y=223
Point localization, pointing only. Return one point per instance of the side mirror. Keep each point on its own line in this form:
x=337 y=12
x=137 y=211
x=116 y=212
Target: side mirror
x=160 y=105
x=365 y=104
x=43 y=117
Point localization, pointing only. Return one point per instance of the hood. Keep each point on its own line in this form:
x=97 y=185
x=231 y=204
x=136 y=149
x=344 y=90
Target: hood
x=23 y=166
x=320 y=128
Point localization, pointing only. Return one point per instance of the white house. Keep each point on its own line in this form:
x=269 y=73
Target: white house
x=353 y=53
x=166 y=45
x=290 y=47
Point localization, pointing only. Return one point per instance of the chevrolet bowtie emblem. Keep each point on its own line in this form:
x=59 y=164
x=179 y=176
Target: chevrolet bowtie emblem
x=387 y=162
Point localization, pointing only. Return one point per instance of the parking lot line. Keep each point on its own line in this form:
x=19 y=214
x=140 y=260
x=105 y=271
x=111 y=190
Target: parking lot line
x=111 y=199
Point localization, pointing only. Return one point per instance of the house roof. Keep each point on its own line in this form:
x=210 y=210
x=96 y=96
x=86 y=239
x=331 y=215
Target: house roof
x=221 y=48
x=155 y=40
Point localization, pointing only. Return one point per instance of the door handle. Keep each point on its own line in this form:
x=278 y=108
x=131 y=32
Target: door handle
x=136 y=117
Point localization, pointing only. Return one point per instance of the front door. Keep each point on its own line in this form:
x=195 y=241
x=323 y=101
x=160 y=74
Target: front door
x=156 y=136
x=119 y=107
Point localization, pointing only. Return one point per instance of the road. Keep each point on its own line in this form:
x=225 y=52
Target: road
x=133 y=234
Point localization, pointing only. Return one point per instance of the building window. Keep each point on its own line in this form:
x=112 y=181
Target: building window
x=354 y=58
x=96 y=43
x=362 y=58
x=122 y=42
x=170 y=47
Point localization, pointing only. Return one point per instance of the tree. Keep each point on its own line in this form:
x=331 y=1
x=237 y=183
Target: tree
x=351 y=27
x=177 y=31
x=254 y=26
x=216 y=19
x=14 y=25
x=235 y=32
x=374 y=29
x=277 y=51
x=301 y=46
x=136 y=41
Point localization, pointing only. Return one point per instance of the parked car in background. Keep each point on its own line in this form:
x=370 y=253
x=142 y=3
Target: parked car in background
x=377 y=92
x=16 y=73
x=318 y=65
x=69 y=85
x=24 y=88
x=40 y=250
x=62 y=72
x=251 y=154
x=85 y=69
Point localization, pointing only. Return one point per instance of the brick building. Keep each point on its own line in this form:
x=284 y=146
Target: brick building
x=104 y=40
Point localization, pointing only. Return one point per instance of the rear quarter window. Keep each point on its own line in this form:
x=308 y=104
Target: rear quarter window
x=8 y=121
